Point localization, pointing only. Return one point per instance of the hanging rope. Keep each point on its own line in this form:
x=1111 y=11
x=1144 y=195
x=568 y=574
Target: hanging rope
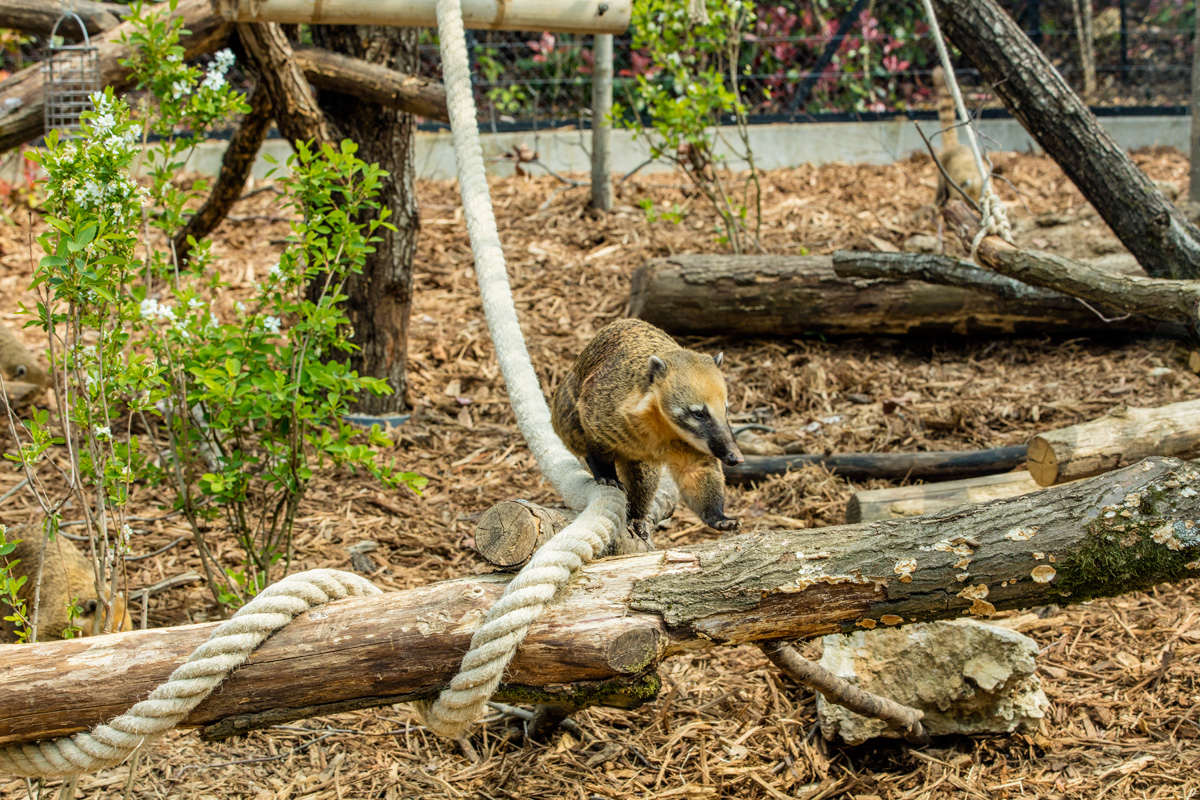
x=589 y=536
x=226 y=649
x=995 y=215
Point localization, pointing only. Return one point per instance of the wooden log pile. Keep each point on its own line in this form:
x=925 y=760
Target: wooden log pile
x=603 y=638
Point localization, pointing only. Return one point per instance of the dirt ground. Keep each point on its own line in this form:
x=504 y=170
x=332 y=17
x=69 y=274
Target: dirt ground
x=1123 y=675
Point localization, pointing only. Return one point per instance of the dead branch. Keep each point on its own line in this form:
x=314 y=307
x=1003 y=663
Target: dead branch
x=938 y=465
x=275 y=67
x=605 y=635
x=1158 y=298
x=373 y=83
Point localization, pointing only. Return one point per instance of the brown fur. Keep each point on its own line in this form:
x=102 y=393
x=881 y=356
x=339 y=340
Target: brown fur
x=67 y=575
x=956 y=159
x=16 y=362
x=620 y=411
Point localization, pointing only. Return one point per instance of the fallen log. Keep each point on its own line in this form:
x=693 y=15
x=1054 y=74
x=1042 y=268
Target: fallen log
x=801 y=295
x=22 y=91
x=1121 y=437
x=927 y=498
x=938 y=465
x=608 y=630
x=1175 y=301
x=37 y=17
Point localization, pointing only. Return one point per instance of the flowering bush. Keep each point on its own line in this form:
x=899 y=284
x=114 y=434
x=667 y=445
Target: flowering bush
x=153 y=386
x=690 y=89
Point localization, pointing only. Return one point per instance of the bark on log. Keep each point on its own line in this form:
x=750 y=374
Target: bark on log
x=1120 y=438
x=943 y=465
x=1175 y=301
x=622 y=616
x=374 y=83
x=275 y=66
x=235 y=168
x=799 y=295
x=37 y=17
x=509 y=532
x=944 y=271
x=1033 y=91
x=913 y=501
x=22 y=91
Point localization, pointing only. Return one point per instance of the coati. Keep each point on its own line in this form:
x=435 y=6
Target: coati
x=16 y=362
x=635 y=401
x=956 y=159
x=67 y=575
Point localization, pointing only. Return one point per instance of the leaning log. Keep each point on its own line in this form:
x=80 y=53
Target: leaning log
x=802 y=295
x=1158 y=234
x=373 y=83
x=936 y=465
x=1123 y=436
x=613 y=624
x=872 y=505
x=1169 y=300
x=22 y=91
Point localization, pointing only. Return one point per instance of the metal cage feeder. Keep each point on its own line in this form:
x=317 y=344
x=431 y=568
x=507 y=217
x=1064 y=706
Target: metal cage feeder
x=72 y=77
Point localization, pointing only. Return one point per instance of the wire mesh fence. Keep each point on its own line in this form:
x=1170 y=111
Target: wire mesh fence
x=794 y=65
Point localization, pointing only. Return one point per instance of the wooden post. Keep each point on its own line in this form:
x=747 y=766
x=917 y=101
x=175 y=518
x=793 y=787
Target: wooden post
x=602 y=76
x=1123 y=436
x=1194 y=106
x=562 y=16
x=1087 y=59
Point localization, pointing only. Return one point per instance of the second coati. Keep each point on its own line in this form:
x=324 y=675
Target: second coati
x=956 y=159
x=635 y=401
x=66 y=576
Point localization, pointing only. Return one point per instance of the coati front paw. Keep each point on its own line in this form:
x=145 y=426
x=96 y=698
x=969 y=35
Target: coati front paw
x=642 y=527
x=613 y=482
x=726 y=524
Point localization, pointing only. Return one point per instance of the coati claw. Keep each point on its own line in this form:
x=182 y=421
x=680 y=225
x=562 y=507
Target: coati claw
x=727 y=525
x=613 y=482
x=642 y=528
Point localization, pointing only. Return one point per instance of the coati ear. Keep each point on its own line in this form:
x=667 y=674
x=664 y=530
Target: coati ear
x=657 y=367
x=718 y=358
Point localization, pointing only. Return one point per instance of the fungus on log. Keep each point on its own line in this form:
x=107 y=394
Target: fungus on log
x=606 y=633
x=927 y=498
x=1121 y=437
x=935 y=465
x=801 y=295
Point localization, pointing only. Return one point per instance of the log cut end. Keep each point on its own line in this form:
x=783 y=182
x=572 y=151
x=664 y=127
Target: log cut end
x=1042 y=462
x=509 y=532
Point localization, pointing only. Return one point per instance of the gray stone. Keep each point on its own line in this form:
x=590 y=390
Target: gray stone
x=966 y=676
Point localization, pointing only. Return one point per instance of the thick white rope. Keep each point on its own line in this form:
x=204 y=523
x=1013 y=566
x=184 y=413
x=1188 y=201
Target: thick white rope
x=226 y=649
x=589 y=536
x=995 y=215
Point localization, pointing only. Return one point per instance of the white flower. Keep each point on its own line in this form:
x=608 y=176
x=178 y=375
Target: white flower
x=194 y=302
x=167 y=313
x=101 y=123
x=179 y=88
x=149 y=308
x=272 y=324
x=213 y=80
x=213 y=320
x=274 y=271
x=240 y=306
x=103 y=433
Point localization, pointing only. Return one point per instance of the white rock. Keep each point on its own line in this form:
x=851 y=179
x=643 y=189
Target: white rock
x=967 y=676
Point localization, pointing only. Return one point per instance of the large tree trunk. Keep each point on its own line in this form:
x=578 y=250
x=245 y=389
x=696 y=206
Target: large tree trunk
x=606 y=632
x=381 y=297
x=1154 y=230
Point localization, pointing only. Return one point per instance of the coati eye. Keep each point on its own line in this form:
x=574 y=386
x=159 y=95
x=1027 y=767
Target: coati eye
x=20 y=371
x=700 y=413
x=90 y=606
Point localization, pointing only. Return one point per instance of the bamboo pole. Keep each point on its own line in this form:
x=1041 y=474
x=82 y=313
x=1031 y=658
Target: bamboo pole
x=564 y=16
x=602 y=77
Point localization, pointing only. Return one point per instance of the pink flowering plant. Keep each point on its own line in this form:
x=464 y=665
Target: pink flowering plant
x=232 y=415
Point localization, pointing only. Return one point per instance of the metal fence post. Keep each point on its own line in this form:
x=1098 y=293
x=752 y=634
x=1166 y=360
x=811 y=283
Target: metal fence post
x=602 y=78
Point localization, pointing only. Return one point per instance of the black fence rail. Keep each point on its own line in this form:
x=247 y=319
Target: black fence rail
x=794 y=64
